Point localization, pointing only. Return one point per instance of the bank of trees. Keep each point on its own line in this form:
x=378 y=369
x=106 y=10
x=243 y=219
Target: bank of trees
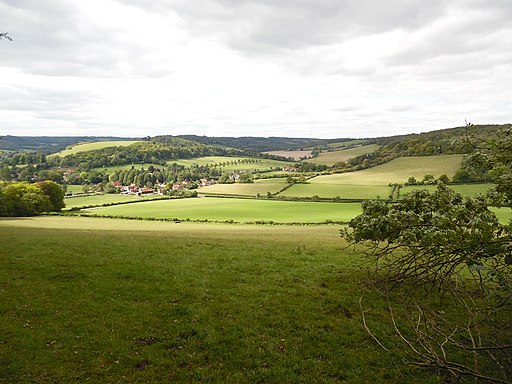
x=444 y=265
x=25 y=199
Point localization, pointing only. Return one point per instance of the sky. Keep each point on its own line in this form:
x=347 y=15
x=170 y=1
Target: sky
x=296 y=68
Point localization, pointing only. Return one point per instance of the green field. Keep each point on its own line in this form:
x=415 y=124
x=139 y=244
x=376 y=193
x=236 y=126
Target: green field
x=115 y=301
x=94 y=146
x=464 y=189
x=74 y=188
x=373 y=182
x=230 y=164
x=128 y=167
x=332 y=157
x=261 y=186
x=396 y=171
x=349 y=191
x=238 y=210
x=503 y=214
x=296 y=155
x=344 y=144
x=86 y=201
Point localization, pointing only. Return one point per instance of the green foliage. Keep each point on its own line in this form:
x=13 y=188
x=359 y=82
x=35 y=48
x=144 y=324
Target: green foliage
x=245 y=177
x=458 y=245
x=429 y=236
x=22 y=199
x=55 y=194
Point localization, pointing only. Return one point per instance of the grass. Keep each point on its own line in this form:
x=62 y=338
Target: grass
x=374 y=182
x=332 y=157
x=238 y=210
x=343 y=144
x=86 y=201
x=503 y=214
x=296 y=155
x=74 y=188
x=261 y=186
x=128 y=167
x=259 y=164
x=337 y=190
x=464 y=189
x=94 y=146
x=97 y=300
x=396 y=171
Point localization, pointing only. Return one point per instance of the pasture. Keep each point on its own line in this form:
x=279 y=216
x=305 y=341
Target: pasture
x=344 y=191
x=70 y=188
x=332 y=157
x=99 y=300
x=94 y=146
x=129 y=166
x=231 y=164
x=86 y=201
x=238 y=210
x=464 y=189
x=374 y=182
x=296 y=155
x=261 y=186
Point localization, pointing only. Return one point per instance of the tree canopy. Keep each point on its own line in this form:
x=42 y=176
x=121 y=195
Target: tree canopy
x=456 y=244
x=25 y=199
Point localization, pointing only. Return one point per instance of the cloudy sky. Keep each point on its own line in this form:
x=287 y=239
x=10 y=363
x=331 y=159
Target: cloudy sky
x=299 y=68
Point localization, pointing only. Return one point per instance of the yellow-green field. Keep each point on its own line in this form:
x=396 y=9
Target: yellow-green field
x=396 y=171
x=94 y=146
x=296 y=155
x=116 y=301
x=330 y=158
x=238 y=210
x=74 y=188
x=128 y=167
x=373 y=182
x=86 y=201
x=344 y=144
x=230 y=164
x=349 y=191
x=464 y=189
x=261 y=186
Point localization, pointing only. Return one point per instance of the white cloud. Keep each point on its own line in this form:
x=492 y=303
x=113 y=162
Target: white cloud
x=325 y=68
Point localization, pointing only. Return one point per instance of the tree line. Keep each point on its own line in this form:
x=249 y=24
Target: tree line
x=26 y=199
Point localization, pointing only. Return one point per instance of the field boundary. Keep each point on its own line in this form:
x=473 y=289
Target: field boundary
x=188 y=220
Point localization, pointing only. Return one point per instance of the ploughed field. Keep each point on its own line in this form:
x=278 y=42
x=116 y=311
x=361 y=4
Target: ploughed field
x=104 y=300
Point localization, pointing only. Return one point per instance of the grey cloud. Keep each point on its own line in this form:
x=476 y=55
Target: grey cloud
x=52 y=38
x=267 y=26
x=476 y=31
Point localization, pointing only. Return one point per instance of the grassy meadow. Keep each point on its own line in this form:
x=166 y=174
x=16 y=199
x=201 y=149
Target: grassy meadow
x=128 y=167
x=109 y=301
x=332 y=157
x=464 y=189
x=230 y=164
x=238 y=210
x=94 y=146
x=70 y=188
x=296 y=155
x=86 y=201
x=344 y=191
x=373 y=182
x=261 y=186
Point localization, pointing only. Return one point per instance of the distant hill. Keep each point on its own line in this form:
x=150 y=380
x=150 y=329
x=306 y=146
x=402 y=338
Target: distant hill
x=262 y=144
x=440 y=142
x=49 y=144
